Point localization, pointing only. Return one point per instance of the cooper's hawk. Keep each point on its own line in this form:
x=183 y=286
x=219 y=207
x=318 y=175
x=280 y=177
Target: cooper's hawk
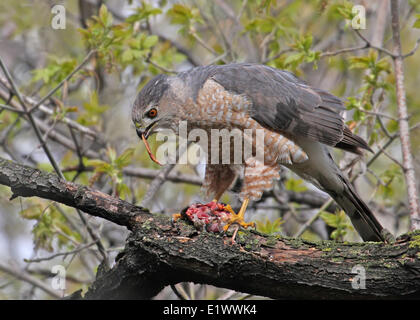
x=299 y=122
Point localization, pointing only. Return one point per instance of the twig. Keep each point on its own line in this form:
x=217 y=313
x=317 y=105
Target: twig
x=14 y=107
x=21 y=275
x=220 y=57
x=408 y=168
x=157 y=182
x=190 y=58
x=375 y=113
x=329 y=202
x=177 y=293
x=31 y=119
x=393 y=159
x=227 y=295
x=241 y=11
x=162 y=68
x=344 y=50
x=313 y=218
x=412 y=51
x=370 y=45
x=71 y=74
x=94 y=237
x=381 y=149
x=278 y=55
x=46 y=149
x=202 y=43
x=9 y=108
x=81 y=248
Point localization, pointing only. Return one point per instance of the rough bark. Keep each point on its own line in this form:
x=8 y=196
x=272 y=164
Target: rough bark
x=159 y=253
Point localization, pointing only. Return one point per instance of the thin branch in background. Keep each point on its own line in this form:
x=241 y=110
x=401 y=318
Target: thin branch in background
x=9 y=108
x=390 y=157
x=48 y=274
x=34 y=125
x=187 y=53
x=157 y=182
x=14 y=107
x=69 y=76
x=241 y=11
x=375 y=113
x=162 y=68
x=215 y=24
x=329 y=202
x=278 y=55
x=177 y=293
x=59 y=254
x=409 y=173
x=370 y=45
x=412 y=51
x=31 y=119
x=78 y=152
x=203 y=44
x=94 y=237
x=21 y=275
x=180 y=292
x=308 y=223
x=227 y=295
x=344 y=50
x=216 y=59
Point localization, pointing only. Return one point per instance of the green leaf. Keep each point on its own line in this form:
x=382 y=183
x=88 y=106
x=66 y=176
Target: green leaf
x=32 y=212
x=417 y=22
x=329 y=218
x=296 y=185
x=392 y=126
x=127 y=55
x=183 y=15
x=112 y=154
x=269 y=227
x=143 y=12
x=150 y=41
x=294 y=58
x=95 y=163
x=125 y=158
x=339 y=221
x=92 y=111
x=345 y=10
x=104 y=16
x=359 y=62
x=262 y=25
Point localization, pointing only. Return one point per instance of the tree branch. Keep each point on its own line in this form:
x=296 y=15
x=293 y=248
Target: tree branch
x=408 y=168
x=25 y=181
x=159 y=253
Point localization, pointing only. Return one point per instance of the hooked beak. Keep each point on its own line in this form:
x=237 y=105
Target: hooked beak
x=146 y=132
x=143 y=135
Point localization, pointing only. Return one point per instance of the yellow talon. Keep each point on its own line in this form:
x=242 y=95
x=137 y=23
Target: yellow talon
x=176 y=216
x=239 y=217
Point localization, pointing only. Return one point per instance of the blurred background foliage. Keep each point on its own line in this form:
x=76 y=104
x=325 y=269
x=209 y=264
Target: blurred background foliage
x=116 y=47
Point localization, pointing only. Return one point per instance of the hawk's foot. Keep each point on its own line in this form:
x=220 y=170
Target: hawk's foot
x=176 y=217
x=238 y=218
x=214 y=216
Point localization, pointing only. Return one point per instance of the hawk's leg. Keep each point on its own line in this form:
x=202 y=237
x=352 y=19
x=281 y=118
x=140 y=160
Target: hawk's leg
x=238 y=218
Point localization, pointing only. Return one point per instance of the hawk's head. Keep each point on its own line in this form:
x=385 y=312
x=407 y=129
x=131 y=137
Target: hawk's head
x=149 y=112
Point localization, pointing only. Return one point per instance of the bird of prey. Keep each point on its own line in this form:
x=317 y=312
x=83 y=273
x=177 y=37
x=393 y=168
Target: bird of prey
x=299 y=121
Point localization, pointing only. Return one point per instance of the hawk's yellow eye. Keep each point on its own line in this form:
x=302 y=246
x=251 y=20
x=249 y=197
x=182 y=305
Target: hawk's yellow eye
x=152 y=113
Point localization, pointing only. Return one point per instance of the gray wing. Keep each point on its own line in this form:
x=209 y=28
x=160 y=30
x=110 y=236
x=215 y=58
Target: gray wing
x=286 y=104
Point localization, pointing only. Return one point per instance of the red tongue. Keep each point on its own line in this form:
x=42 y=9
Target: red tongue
x=149 y=151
